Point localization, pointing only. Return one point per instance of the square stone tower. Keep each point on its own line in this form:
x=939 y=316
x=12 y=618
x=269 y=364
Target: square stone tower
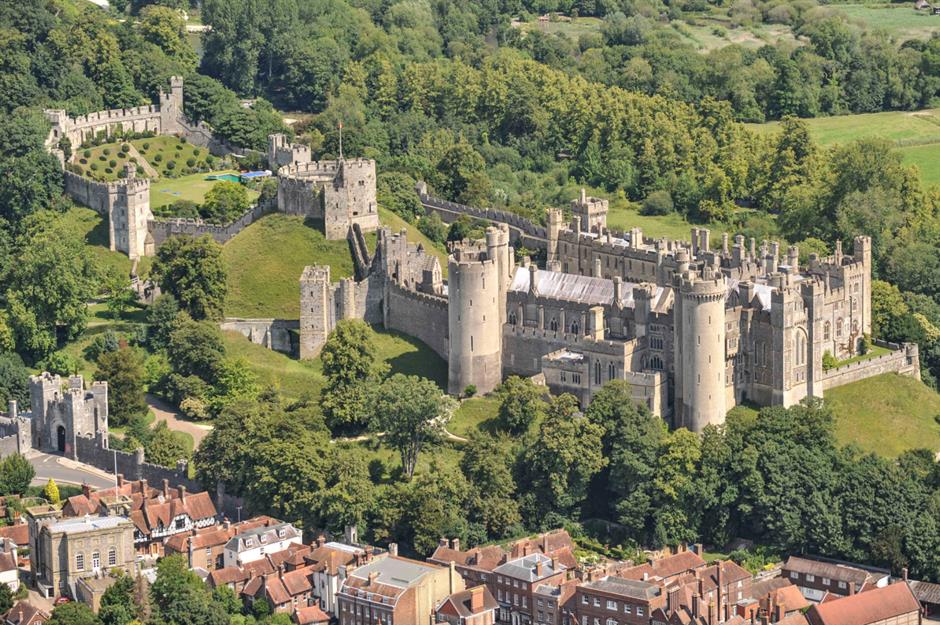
x=316 y=310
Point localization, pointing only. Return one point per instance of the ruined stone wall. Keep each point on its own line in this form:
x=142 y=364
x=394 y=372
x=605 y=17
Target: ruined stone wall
x=281 y=335
x=419 y=315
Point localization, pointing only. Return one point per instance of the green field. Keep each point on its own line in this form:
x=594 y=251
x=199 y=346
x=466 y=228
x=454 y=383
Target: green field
x=172 y=157
x=194 y=187
x=901 y=20
x=94 y=229
x=916 y=133
x=571 y=28
x=713 y=31
x=99 y=322
x=403 y=354
x=886 y=414
x=673 y=226
x=474 y=414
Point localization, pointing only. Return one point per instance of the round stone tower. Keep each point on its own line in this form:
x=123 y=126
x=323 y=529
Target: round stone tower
x=700 y=346
x=474 y=319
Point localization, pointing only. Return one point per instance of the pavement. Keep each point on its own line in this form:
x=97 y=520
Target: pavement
x=65 y=471
x=163 y=411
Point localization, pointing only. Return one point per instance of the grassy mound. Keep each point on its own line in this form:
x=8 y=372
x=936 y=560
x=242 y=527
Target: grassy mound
x=171 y=157
x=402 y=353
x=94 y=229
x=887 y=414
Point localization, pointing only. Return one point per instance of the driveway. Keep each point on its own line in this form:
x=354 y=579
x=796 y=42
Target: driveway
x=165 y=412
x=65 y=471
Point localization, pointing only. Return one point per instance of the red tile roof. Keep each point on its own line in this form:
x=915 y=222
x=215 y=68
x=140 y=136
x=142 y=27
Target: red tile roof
x=24 y=613
x=311 y=615
x=867 y=607
x=18 y=533
x=667 y=567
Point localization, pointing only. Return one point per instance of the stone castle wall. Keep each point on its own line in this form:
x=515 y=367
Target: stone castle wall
x=903 y=360
x=521 y=230
x=163 y=229
x=277 y=334
x=131 y=465
x=85 y=191
x=420 y=315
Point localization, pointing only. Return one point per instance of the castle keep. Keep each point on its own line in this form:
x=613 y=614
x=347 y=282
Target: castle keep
x=694 y=330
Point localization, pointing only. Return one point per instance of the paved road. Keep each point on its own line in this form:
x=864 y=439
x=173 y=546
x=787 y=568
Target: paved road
x=165 y=412
x=65 y=471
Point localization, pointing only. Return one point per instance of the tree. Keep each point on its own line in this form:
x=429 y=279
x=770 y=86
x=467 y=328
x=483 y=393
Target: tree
x=16 y=473
x=562 y=460
x=124 y=372
x=118 y=293
x=658 y=203
x=235 y=382
x=196 y=348
x=410 y=411
x=73 y=613
x=487 y=464
x=164 y=447
x=226 y=597
x=6 y=598
x=48 y=286
x=521 y=404
x=192 y=271
x=225 y=202
x=348 y=361
x=117 y=602
x=51 y=492
x=14 y=379
x=162 y=319
x=349 y=494
x=181 y=598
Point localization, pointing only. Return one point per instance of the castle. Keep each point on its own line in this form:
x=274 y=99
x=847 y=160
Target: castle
x=694 y=330
x=341 y=193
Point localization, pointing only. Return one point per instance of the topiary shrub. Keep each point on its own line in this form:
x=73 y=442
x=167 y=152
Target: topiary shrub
x=112 y=163
x=108 y=170
x=171 y=165
x=94 y=166
x=87 y=153
x=145 y=146
x=122 y=174
x=102 y=157
x=190 y=162
x=83 y=161
x=125 y=148
x=158 y=158
x=140 y=170
x=183 y=140
x=197 y=151
x=107 y=151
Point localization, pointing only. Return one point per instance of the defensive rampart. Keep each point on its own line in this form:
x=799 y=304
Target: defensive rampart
x=88 y=192
x=521 y=230
x=420 y=315
x=277 y=334
x=163 y=229
x=903 y=360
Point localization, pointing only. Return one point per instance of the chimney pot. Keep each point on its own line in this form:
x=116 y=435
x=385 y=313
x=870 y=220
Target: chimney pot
x=393 y=549
x=182 y=491
x=120 y=479
x=455 y=544
x=166 y=488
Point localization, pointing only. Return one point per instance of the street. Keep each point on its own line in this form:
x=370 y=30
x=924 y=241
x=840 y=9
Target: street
x=65 y=471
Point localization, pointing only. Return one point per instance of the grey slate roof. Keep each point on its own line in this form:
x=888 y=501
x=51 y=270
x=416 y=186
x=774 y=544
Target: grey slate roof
x=397 y=572
x=575 y=288
x=635 y=589
x=524 y=568
x=926 y=592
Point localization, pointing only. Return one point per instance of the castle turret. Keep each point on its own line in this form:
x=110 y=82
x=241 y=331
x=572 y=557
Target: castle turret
x=862 y=250
x=316 y=310
x=556 y=222
x=474 y=320
x=700 y=349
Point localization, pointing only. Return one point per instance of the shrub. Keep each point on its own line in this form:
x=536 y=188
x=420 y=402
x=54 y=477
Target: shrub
x=121 y=173
x=158 y=158
x=83 y=161
x=78 y=170
x=94 y=166
x=197 y=151
x=171 y=165
x=133 y=159
x=864 y=345
x=102 y=157
x=190 y=162
x=140 y=170
x=112 y=163
x=829 y=361
x=108 y=170
x=107 y=151
x=125 y=148
x=470 y=391
x=182 y=139
x=146 y=146
x=86 y=153
x=657 y=203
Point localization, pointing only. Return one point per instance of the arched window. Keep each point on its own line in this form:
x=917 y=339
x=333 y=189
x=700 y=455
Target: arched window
x=611 y=371
x=597 y=372
x=839 y=327
x=827 y=329
x=512 y=318
x=800 y=348
x=574 y=327
x=95 y=560
x=112 y=557
x=553 y=325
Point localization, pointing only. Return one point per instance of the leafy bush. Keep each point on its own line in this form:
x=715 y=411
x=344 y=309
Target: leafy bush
x=829 y=361
x=94 y=166
x=125 y=148
x=171 y=165
x=158 y=158
x=197 y=151
x=86 y=153
x=106 y=151
x=83 y=161
x=190 y=162
x=140 y=170
x=102 y=157
x=864 y=345
x=146 y=146
x=108 y=170
x=112 y=163
x=657 y=203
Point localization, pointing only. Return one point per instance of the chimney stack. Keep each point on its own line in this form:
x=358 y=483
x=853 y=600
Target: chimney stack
x=120 y=479
x=476 y=599
x=393 y=549
x=144 y=490
x=780 y=611
x=533 y=279
x=166 y=489
x=86 y=490
x=452 y=578
x=538 y=569
x=712 y=614
x=695 y=605
x=597 y=267
x=181 y=490
x=455 y=544
x=904 y=573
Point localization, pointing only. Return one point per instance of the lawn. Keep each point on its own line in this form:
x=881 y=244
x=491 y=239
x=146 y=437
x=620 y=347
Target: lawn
x=403 y=354
x=99 y=322
x=474 y=414
x=193 y=187
x=171 y=156
x=900 y=20
x=916 y=133
x=673 y=226
x=886 y=414
x=874 y=352
x=103 y=162
x=94 y=229
x=571 y=28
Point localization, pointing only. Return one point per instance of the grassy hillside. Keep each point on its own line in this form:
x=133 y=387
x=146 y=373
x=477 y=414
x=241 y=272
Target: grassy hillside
x=94 y=229
x=886 y=414
x=403 y=354
x=265 y=260
x=901 y=19
x=917 y=134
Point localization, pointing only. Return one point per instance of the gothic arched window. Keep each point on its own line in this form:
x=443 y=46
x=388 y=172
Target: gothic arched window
x=553 y=325
x=597 y=372
x=574 y=327
x=827 y=329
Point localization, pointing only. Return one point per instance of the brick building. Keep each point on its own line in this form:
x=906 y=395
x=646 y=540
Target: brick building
x=817 y=578
x=894 y=604
x=474 y=606
x=617 y=601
